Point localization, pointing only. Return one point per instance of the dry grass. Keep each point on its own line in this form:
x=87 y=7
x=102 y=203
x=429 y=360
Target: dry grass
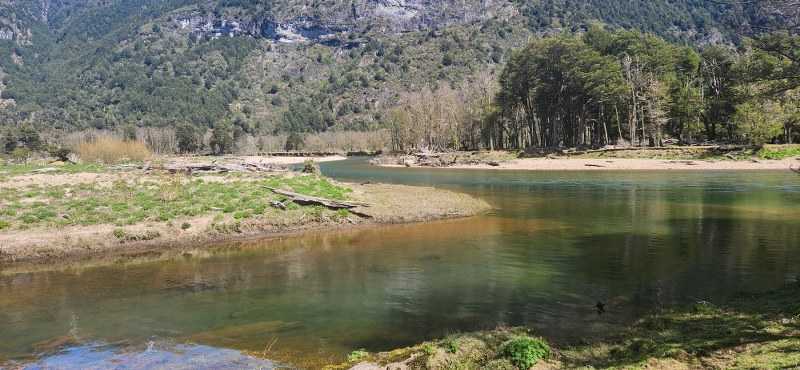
x=108 y=150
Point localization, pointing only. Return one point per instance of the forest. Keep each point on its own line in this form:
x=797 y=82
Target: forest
x=618 y=87
x=561 y=74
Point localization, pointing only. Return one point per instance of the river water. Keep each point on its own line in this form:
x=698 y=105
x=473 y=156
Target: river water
x=556 y=244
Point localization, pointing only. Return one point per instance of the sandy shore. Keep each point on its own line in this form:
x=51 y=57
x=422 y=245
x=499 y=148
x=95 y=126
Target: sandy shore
x=274 y=160
x=579 y=164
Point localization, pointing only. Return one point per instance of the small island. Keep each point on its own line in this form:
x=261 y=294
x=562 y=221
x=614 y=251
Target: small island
x=55 y=213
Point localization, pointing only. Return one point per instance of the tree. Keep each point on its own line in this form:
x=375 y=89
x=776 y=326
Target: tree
x=189 y=138
x=776 y=61
x=221 y=138
x=10 y=141
x=129 y=133
x=294 y=141
x=29 y=138
x=759 y=122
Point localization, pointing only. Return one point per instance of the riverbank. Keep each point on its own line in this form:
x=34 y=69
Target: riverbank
x=703 y=158
x=68 y=213
x=750 y=331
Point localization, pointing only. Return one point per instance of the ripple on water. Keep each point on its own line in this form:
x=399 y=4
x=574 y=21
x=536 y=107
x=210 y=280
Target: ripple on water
x=154 y=356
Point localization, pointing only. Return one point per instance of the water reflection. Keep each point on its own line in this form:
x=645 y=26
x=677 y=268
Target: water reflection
x=557 y=244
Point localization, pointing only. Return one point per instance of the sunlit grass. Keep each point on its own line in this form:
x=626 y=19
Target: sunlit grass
x=153 y=200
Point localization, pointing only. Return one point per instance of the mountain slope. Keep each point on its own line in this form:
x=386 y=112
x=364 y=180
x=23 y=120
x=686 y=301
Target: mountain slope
x=279 y=65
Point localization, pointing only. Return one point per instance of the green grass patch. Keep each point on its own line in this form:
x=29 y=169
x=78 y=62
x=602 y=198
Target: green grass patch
x=158 y=200
x=779 y=151
x=357 y=355
x=9 y=170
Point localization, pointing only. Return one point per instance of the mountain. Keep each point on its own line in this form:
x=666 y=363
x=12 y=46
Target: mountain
x=282 y=65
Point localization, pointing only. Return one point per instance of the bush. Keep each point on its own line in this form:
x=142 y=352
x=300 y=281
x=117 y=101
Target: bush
x=61 y=154
x=294 y=141
x=20 y=154
x=109 y=150
x=525 y=352
x=309 y=166
x=357 y=355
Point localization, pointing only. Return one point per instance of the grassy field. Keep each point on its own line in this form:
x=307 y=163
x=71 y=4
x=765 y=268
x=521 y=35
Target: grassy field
x=131 y=200
x=779 y=151
x=750 y=331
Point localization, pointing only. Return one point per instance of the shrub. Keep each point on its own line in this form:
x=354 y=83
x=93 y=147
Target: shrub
x=450 y=345
x=525 y=351
x=357 y=355
x=124 y=236
x=108 y=150
x=119 y=233
x=309 y=166
x=428 y=349
x=185 y=226
x=20 y=154
x=61 y=154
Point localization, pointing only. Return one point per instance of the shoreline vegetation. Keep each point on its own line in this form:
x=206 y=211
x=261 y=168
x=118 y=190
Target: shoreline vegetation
x=748 y=331
x=57 y=214
x=710 y=157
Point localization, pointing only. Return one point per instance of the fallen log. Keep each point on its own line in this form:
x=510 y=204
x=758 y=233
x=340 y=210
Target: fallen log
x=309 y=200
x=225 y=168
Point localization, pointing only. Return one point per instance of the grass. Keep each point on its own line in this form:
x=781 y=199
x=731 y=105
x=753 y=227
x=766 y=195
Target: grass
x=749 y=331
x=779 y=151
x=11 y=170
x=109 y=150
x=157 y=199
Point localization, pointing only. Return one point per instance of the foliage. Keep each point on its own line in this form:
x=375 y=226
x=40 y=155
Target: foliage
x=311 y=167
x=294 y=141
x=221 y=141
x=62 y=154
x=189 y=137
x=758 y=123
x=357 y=355
x=129 y=64
x=779 y=151
x=524 y=352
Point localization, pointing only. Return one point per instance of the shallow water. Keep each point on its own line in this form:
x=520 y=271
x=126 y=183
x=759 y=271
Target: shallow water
x=558 y=243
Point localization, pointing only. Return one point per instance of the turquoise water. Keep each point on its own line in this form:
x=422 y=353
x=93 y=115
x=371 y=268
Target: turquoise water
x=557 y=243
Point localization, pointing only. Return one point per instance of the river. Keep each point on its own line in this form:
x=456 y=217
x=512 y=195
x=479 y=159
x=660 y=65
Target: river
x=557 y=243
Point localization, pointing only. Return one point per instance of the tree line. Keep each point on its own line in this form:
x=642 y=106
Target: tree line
x=618 y=87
